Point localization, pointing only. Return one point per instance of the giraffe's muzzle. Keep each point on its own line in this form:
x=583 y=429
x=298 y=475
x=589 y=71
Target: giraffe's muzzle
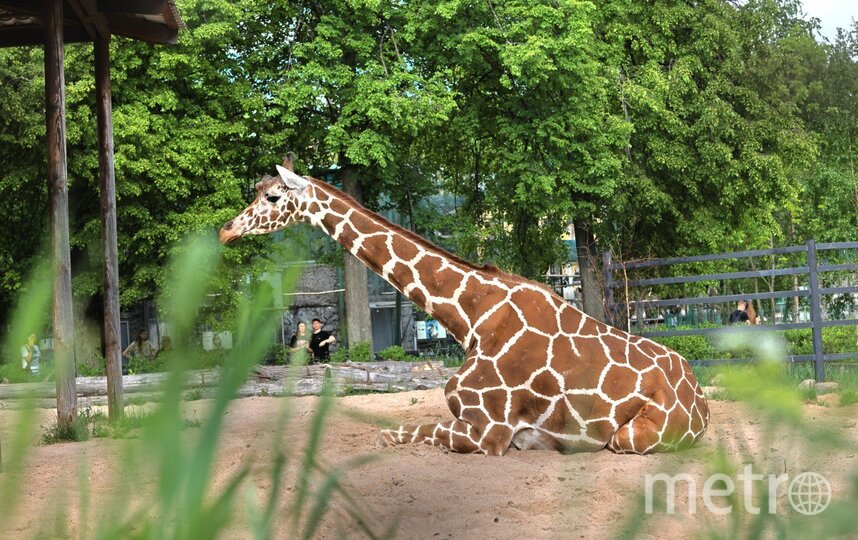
x=228 y=233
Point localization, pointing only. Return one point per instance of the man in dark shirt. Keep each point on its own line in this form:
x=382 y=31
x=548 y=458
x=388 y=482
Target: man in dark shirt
x=740 y=315
x=320 y=342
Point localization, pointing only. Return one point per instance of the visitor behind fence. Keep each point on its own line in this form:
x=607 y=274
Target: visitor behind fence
x=743 y=314
x=320 y=342
x=752 y=315
x=30 y=355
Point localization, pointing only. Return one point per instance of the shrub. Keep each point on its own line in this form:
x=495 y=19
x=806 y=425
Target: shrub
x=340 y=355
x=12 y=373
x=86 y=370
x=79 y=431
x=691 y=347
x=277 y=354
x=394 y=352
x=848 y=397
x=361 y=352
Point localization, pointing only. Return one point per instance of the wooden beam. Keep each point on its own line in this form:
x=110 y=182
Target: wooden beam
x=22 y=7
x=107 y=190
x=95 y=17
x=55 y=119
x=142 y=29
x=84 y=18
x=142 y=7
x=33 y=35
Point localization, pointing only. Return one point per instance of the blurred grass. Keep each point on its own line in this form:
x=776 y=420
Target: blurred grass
x=768 y=388
x=186 y=502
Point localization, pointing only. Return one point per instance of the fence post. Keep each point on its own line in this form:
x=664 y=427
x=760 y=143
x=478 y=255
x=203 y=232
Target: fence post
x=609 y=289
x=815 y=311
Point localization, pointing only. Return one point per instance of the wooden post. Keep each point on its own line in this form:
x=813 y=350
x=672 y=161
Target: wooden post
x=107 y=189
x=58 y=187
x=815 y=311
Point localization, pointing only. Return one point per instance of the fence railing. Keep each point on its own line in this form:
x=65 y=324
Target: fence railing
x=813 y=292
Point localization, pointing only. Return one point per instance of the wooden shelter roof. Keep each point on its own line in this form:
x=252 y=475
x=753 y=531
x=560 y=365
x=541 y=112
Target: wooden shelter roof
x=153 y=21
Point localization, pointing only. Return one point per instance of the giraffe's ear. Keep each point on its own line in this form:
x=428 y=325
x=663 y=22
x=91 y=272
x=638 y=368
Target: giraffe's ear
x=292 y=180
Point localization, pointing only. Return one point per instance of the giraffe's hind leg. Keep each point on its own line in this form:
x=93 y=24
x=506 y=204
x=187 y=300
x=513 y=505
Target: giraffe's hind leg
x=456 y=436
x=643 y=433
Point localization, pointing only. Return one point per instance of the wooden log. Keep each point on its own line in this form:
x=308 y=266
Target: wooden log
x=262 y=381
x=97 y=386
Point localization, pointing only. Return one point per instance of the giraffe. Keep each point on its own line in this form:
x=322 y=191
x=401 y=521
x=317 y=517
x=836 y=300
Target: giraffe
x=538 y=372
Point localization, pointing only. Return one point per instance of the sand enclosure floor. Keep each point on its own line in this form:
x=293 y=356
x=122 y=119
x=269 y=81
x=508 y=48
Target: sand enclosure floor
x=424 y=491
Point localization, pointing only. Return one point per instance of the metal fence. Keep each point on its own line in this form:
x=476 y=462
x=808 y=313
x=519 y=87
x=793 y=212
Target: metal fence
x=812 y=291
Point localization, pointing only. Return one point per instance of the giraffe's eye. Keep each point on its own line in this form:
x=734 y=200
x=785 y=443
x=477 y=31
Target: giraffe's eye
x=272 y=198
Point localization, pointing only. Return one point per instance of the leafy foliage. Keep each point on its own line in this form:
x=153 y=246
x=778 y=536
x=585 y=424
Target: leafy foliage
x=358 y=352
x=665 y=128
x=394 y=352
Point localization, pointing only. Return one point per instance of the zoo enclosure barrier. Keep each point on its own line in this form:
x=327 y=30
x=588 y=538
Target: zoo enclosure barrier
x=812 y=292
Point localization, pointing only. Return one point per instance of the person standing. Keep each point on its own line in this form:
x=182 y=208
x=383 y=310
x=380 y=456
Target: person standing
x=30 y=355
x=140 y=347
x=320 y=342
x=752 y=315
x=301 y=340
x=740 y=315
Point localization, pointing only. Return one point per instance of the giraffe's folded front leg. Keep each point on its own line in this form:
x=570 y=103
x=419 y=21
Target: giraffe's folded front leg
x=456 y=436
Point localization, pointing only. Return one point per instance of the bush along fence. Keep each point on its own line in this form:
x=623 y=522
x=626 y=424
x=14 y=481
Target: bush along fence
x=819 y=280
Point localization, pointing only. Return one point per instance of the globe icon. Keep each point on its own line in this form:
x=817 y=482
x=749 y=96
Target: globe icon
x=809 y=493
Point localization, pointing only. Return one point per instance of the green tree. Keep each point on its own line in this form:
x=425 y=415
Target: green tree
x=718 y=145
x=354 y=103
x=533 y=142
x=830 y=191
x=23 y=168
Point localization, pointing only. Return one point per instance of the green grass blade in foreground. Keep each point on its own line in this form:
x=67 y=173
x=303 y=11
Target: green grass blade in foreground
x=254 y=331
x=14 y=457
x=31 y=314
x=264 y=523
x=190 y=275
x=254 y=326
x=323 y=496
x=317 y=427
x=32 y=309
x=768 y=387
x=215 y=517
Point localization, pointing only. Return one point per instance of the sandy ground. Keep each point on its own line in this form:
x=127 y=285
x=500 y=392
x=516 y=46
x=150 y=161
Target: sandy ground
x=422 y=491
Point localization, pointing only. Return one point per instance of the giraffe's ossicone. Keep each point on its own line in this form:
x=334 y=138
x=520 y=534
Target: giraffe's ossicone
x=538 y=372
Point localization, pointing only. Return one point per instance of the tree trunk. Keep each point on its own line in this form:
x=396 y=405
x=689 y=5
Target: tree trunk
x=358 y=321
x=591 y=289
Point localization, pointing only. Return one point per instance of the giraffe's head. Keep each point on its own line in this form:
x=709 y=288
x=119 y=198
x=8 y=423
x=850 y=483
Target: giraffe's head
x=277 y=205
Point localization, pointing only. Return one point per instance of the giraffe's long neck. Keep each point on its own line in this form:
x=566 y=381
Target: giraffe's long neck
x=429 y=276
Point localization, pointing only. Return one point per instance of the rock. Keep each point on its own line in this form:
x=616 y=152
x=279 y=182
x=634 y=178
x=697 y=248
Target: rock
x=827 y=387
x=831 y=400
x=712 y=391
x=807 y=384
